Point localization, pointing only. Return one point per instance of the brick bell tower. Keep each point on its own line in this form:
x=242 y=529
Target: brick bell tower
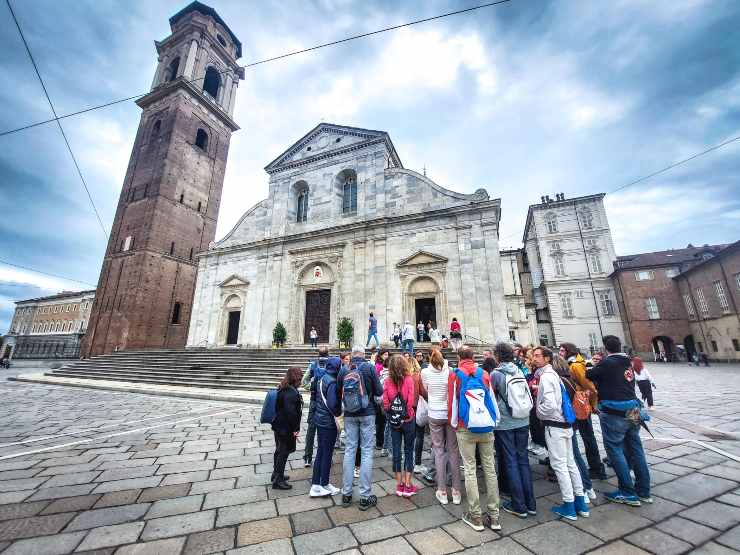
x=171 y=194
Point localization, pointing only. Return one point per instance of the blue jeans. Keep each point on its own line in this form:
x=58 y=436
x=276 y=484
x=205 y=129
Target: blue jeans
x=408 y=345
x=324 y=453
x=406 y=434
x=358 y=430
x=373 y=335
x=513 y=445
x=624 y=449
x=581 y=464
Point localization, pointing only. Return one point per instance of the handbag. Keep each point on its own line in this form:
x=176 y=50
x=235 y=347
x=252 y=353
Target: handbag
x=422 y=412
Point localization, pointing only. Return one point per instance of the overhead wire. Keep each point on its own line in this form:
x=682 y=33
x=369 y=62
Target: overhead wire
x=260 y=62
x=56 y=118
x=14 y=265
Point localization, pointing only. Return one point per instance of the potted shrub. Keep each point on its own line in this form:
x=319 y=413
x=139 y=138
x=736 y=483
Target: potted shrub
x=279 y=335
x=345 y=331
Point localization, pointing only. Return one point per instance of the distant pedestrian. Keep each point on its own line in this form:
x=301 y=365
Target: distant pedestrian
x=408 y=337
x=396 y=335
x=313 y=335
x=398 y=402
x=455 y=334
x=420 y=331
x=313 y=373
x=434 y=336
x=644 y=381
x=381 y=366
x=372 y=330
x=328 y=408
x=286 y=425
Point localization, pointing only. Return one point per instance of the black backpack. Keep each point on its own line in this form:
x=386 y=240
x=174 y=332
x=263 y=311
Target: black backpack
x=397 y=412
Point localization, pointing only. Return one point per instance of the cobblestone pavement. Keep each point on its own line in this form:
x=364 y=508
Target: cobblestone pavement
x=95 y=471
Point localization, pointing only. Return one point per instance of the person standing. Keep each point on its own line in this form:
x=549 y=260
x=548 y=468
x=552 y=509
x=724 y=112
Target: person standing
x=314 y=372
x=328 y=408
x=408 y=337
x=455 y=334
x=381 y=369
x=559 y=437
x=512 y=434
x=420 y=332
x=372 y=330
x=644 y=381
x=577 y=367
x=313 y=335
x=444 y=440
x=434 y=336
x=286 y=425
x=420 y=395
x=398 y=403
x=396 y=335
x=358 y=387
x=466 y=382
x=614 y=380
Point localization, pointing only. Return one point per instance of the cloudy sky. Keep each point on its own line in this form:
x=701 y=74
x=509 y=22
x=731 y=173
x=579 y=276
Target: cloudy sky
x=524 y=99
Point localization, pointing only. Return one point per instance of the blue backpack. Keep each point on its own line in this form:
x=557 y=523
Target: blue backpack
x=354 y=396
x=476 y=408
x=569 y=415
x=269 y=407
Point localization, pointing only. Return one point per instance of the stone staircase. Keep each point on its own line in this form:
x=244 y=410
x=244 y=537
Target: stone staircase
x=235 y=369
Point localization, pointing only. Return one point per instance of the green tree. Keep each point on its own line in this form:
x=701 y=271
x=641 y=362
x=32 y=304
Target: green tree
x=279 y=334
x=345 y=331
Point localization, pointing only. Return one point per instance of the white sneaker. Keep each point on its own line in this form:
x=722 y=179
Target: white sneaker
x=419 y=469
x=332 y=489
x=442 y=497
x=318 y=491
x=456 y=497
x=590 y=494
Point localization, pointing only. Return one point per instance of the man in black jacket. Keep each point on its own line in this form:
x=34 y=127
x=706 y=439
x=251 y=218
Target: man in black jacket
x=615 y=383
x=359 y=427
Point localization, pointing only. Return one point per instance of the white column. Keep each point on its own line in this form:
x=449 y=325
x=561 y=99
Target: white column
x=226 y=96
x=190 y=63
x=231 y=98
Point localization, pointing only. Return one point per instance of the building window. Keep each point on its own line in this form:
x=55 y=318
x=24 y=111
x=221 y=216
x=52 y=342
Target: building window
x=587 y=219
x=689 y=307
x=593 y=340
x=736 y=344
x=201 y=139
x=721 y=296
x=212 y=82
x=221 y=40
x=596 y=264
x=172 y=248
x=715 y=348
x=156 y=127
x=126 y=244
x=559 y=265
x=555 y=246
x=176 y=313
x=703 y=306
x=567 y=305
x=579 y=293
x=607 y=305
x=182 y=197
x=544 y=340
x=644 y=275
x=671 y=273
x=191 y=253
x=652 y=308
x=591 y=244
x=512 y=335
x=171 y=72
x=551 y=220
x=199 y=206
x=301 y=203
x=349 y=195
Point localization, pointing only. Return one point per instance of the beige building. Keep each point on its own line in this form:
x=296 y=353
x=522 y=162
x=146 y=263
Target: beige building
x=48 y=327
x=520 y=308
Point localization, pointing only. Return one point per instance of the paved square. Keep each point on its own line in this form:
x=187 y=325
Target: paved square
x=124 y=473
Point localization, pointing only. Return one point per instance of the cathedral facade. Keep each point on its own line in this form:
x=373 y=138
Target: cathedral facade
x=347 y=230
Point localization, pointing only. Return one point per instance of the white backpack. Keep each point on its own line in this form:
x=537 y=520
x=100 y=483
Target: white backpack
x=518 y=396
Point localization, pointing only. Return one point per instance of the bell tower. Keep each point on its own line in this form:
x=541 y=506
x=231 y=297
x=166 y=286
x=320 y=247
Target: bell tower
x=170 y=196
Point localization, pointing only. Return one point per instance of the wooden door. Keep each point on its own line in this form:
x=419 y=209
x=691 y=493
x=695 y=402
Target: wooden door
x=318 y=314
x=232 y=334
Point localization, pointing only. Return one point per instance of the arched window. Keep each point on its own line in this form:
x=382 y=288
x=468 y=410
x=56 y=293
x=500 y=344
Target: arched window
x=176 y=313
x=551 y=220
x=587 y=219
x=212 y=82
x=201 y=139
x=156 y=127
x=347 y=183
x=171 y=73
x=301 y=198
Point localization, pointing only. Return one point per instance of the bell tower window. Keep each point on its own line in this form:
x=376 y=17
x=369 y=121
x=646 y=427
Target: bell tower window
x=172 y=69
x=212 y=82
x=201 y=139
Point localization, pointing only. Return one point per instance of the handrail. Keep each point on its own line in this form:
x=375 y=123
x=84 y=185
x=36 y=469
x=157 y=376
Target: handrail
x=478 y=339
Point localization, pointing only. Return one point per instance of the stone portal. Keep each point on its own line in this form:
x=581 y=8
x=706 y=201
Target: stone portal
x=318 y=314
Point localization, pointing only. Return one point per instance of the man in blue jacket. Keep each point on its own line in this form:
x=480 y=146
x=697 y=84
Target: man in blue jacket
x=615 y=383
x=359 y=424
x=313 y=373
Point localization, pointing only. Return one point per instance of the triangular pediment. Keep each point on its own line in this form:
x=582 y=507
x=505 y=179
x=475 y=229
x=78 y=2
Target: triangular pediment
x=328 y=139
x=420 y=258
x=234 y=281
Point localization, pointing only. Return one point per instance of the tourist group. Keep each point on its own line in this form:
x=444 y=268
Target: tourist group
x=478 y=416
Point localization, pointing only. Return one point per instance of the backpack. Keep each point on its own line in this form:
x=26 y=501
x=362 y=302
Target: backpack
x=269 y=407
x=581 y=404
x=476 y=408
x=397 y=413
x=354 y=395
x=518 y=396
x=566 y=405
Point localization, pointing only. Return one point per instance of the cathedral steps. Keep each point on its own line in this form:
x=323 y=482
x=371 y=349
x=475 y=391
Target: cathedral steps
x=235 y=369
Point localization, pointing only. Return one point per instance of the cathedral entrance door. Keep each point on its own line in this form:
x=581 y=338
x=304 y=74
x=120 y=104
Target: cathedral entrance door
x=426 y=310
x=318 y=314
x=232 y=334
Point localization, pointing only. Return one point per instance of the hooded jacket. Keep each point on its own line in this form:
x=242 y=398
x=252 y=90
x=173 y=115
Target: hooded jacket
x=498 y=377
x=324 y=413
x=549 y=397
x=578 y=373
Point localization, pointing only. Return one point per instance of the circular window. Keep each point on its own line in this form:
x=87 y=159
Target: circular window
x=221 y=40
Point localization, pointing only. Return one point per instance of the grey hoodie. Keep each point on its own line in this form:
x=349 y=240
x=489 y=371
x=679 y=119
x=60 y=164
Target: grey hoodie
x=498 y=377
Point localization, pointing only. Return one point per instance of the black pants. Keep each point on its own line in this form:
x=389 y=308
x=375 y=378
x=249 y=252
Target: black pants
x=379 y=428
x=418 y=443
x=501 y=469
x=646 y=390
x=310 y=433
x=586 y=429
x=284 y=446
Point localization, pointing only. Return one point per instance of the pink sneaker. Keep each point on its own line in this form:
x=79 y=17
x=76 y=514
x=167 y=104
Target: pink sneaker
x=410 y=490
x=400 y=490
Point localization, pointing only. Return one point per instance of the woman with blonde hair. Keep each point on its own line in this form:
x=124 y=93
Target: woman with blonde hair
x=444 y=440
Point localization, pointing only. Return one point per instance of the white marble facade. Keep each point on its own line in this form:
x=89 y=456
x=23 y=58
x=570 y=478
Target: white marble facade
x=401 y=243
